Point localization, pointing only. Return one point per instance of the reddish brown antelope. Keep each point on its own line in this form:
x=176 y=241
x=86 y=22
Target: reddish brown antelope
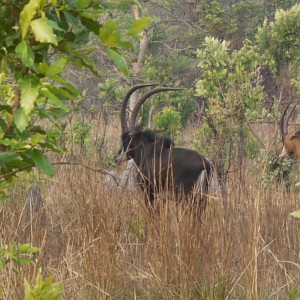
x=291 y=140
x=161 y=165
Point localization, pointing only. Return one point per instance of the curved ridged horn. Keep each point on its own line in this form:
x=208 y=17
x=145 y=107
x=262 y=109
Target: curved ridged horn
x=124 y=125
x=140 y=102
x=284 y=121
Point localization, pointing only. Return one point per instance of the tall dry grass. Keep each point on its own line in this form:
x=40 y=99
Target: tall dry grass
x=104 y=244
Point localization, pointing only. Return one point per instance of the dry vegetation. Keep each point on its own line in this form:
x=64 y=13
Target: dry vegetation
x=104 y=244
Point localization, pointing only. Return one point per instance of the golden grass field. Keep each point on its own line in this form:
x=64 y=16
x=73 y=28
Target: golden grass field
x=104 y=244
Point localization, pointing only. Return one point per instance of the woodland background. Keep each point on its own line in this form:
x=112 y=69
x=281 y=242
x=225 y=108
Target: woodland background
x=65 y=67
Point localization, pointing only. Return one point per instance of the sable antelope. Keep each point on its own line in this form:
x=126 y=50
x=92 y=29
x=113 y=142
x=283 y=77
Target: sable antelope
x=291 y=141
x=161 y=166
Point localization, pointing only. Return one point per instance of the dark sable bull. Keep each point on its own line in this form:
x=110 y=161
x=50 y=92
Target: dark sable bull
x=161 y=166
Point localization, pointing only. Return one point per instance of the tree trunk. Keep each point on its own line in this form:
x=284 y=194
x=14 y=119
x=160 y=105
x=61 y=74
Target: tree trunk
x=139 y=64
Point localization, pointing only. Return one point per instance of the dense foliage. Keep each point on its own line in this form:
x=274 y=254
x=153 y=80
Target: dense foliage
x=38 y=41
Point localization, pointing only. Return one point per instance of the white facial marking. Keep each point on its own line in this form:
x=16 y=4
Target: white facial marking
x=121 y=156
x=283 y=153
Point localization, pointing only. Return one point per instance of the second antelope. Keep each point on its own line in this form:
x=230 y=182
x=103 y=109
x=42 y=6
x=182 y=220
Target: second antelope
x=291 y=140
x=161 y=166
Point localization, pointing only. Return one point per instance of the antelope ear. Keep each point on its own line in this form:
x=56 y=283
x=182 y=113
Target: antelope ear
x=296 y=135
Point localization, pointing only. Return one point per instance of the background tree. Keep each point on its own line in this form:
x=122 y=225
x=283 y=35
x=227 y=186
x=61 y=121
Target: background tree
x=177 y=30
x=230 y=83
x=280 y=40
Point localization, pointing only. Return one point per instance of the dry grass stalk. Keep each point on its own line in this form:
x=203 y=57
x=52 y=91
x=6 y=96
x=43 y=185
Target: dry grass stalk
x=106 y=245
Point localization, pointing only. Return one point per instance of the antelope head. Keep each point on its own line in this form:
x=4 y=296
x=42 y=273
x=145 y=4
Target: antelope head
x=127 y=150
x=291 y=140
x=125 y=138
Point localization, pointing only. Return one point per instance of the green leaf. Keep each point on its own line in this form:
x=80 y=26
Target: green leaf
x=42 y=68
x=29 y=92
x=43 y=31
x=296 y=214
x=84 y=61
x=82 y=38
x=115 y=5
x=72 y=21
x=53 y=99
x=136 y=2
x=37 y=139
x=57 y=66
x=4 y=107
x=27 y=290
x=67 y=85
x=42 y=162
x=71 y=3
x=27 y=248
x=43 y=289
x=24 y=51
x=119 y=61
x=109 y=34
x=7 y=156
x=53 y=147
x=125 y=44
x=81 y=4
x=27 y=14
x=22 y=260
x=138 y=26
x=92 y=13
x=60 y=91
x=55 y=26
x=91 y=25
x=9 y=142
x=21 y=119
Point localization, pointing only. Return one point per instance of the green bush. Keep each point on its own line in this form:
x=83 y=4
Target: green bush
x=170 y=121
